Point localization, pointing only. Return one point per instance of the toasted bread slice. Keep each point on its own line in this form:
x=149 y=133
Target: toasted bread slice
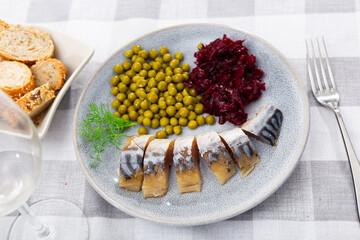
x=25 y=44
x=15 y=79
x=3 y=25
x=51 y=71
x=131 y=162
x=37 y=100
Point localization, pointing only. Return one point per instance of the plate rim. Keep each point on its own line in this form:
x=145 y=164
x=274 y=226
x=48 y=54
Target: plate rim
x=226 y=215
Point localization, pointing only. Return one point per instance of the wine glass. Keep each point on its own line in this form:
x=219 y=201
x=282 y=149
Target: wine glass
x=20 y=169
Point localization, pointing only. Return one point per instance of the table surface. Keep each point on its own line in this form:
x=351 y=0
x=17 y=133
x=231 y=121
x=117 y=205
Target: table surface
x=316 y=202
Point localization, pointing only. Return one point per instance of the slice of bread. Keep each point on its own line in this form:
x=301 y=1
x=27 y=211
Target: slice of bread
x=25 y=44
x=15 y=79
x=50 y=71
x=3 y=25
x=37 y=100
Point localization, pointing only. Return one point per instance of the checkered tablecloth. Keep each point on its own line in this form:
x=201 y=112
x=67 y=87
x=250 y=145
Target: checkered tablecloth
x=316 y=202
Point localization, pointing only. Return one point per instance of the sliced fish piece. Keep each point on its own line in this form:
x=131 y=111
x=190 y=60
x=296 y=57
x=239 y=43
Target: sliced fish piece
x=265 y=125
x=214 y=152
x=131 y=162
x=186 y=162
x=157 y=159
x=242 y=150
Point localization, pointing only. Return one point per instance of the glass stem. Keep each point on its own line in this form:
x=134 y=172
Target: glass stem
x=42 y=231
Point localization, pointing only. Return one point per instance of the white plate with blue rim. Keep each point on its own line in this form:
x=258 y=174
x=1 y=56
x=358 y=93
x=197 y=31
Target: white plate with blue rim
x=214 y=203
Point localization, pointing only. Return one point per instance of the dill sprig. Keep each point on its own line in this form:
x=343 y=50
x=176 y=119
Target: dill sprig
x=103 y=129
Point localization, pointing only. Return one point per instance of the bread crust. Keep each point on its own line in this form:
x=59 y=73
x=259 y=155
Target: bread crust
x=25 y=44
x=3 y=25
x=37 y=100
x=23 y=71
x=55 y=79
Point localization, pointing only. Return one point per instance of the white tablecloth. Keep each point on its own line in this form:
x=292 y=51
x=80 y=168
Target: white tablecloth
x=317 y=202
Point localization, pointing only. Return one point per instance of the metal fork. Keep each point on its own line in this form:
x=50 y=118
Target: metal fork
x=326 y=93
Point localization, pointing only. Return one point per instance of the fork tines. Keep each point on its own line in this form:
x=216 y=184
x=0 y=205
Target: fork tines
x=323 y=84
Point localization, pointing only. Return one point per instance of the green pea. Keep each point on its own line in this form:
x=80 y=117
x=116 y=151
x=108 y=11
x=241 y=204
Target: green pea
x=152 y=83
x=199 y=108
x=192 y=116
x=178 y=56
x=141 y=112
x=167 y=57
x=153 y=53
x=115 y=103
x=118 y=69
x=169 y=71
x=156 y=66
x=200 y=120
x=169 y=129
x=136 y=66
x=161 y=134
x=146 y=66
x=143 y=73
x=144 y=105
x=174 y=63
x=183 y=121
x=137 y=103
x=131 y=96
x=162 y=105
x=131 y=108
x=178 y=71
x=143 y=53
x=157 y=116
x=152 y=97
x=151 y=73
x=154 y=108
x=162 y=113
x=127 y=102
x=146 y=122
x=140 y=119
x=164 y=121
x=133 y=87
x=116 y=114
x=141 y=82
x=155 y=123
x=166 y=94
x=186 y=76
x=155 y=90
x=200 y=46
x=131 y=73
x=126 y=65
x=192 y=124
x=114 y=91
x=160 y=76
x=188 y=100
x=133 y=115
x=177 y=129
x=114 y=80
x=122 y=87
x=140 y=60
x=168 y=79
x=162 y=86
x=173 y=121
x=171 y=110
x=184 y=112
x=185 y=67
x=122 y=109
x=179 y=97
x=129 y=53
x=125 y=116
x=192 y=92
x=159 y=60
x=190 y=107
x=125 y=79
x=136 y=49
x=148 y=114
x=178 y=78
x=210 y=120
x=163 y=66
x=142 y=131
x=178 y=105
x=133 y=58
x=163 y=50
x=177 y=115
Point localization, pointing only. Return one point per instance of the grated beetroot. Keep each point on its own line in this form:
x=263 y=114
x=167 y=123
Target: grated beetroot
x=227 y=78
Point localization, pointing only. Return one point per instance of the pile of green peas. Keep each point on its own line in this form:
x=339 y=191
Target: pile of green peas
x=149 y=89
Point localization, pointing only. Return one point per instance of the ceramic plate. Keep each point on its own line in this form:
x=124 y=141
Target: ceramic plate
x=75 y=55
x=214 y=203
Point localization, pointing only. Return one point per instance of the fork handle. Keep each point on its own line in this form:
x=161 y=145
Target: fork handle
x=354 y=163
